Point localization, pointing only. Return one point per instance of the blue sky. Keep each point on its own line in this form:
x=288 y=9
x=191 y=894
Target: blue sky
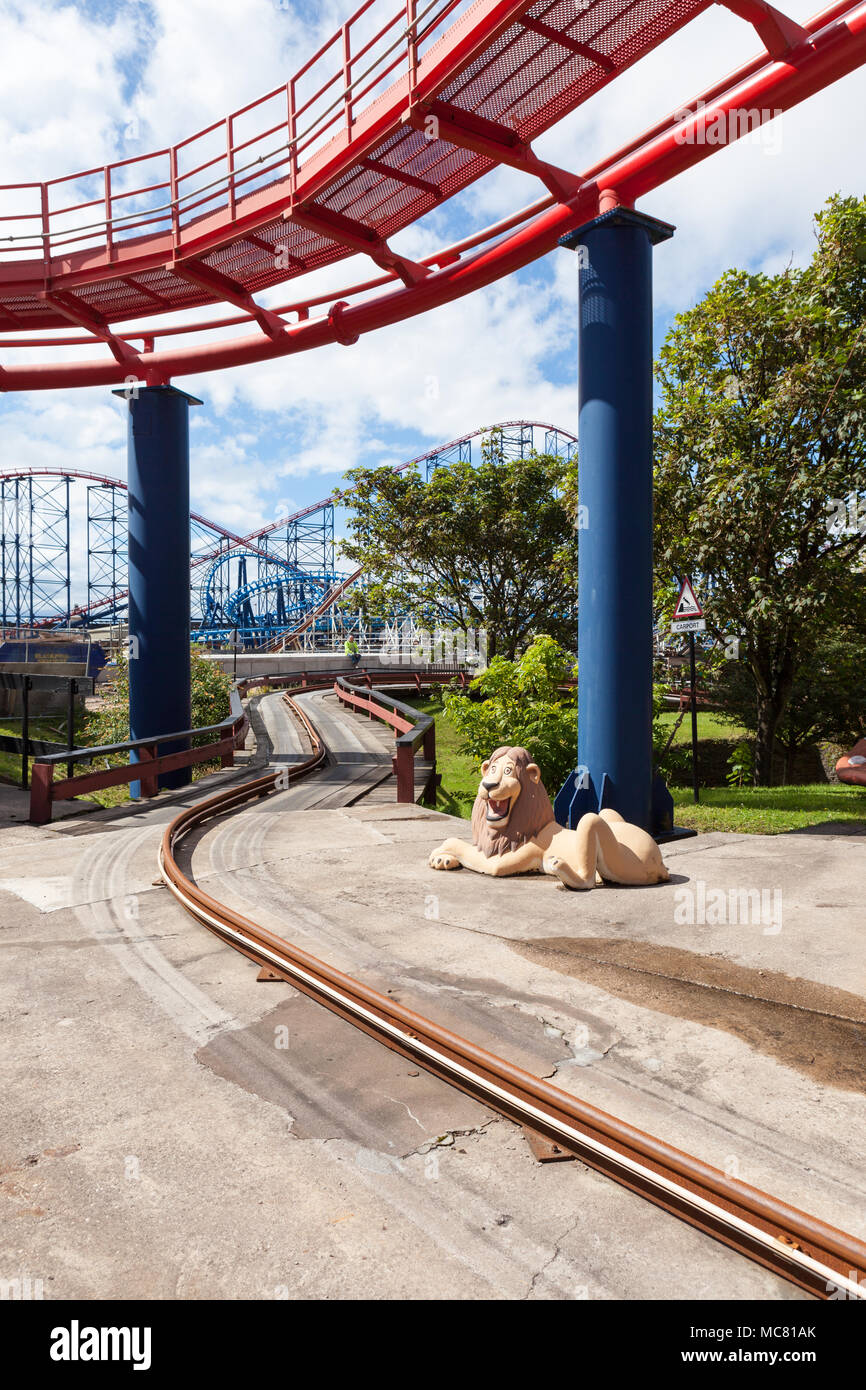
x=80 y=77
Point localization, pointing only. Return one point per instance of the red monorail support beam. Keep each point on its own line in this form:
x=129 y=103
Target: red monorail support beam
x=497 y=142
x=224 y=288
x=146 y=291
x=565 y=40
x=357 y=237
x=277 y=250
x=777 y=32
x=15 y=321
x=390 y=171
x=78 y=313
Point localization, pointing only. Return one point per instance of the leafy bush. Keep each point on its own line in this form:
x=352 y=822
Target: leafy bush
x=521 y=704
x=210 y=687
x=741 y=766
x=210 y=690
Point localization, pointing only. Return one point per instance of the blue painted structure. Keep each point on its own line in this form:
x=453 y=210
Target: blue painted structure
x=158 y=548
x=261 y=584
x=615 y=621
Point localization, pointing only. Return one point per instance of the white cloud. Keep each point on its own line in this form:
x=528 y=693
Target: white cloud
x=286 y=429
x=85 y=431
x=62 y=88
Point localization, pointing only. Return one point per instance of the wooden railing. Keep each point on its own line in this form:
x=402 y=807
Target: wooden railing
x=228 y=735
x=412 y=728
x=44 y=791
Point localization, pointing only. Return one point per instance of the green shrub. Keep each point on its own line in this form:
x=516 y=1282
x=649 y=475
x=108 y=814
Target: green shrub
x=211 y=702
x=741 y=766
x=521 y=704
x=210 y=692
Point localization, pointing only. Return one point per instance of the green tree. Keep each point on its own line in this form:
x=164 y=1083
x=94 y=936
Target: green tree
x=761 y=458
x=210 y=690
x=522 y=704
x=828 y=697
x=490 y=547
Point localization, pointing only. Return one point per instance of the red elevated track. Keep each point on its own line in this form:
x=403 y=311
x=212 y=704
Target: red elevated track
x=396 y=113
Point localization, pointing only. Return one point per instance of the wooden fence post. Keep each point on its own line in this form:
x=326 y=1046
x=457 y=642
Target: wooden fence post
x=149 y=780
x=41 y=800
x=405 y=772
x=430 y=744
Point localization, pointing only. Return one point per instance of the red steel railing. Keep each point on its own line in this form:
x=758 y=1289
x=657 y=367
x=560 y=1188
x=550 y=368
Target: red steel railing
x=267 y=139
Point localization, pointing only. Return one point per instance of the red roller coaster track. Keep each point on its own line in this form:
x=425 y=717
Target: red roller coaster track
x=393 y=115
x=248 y=542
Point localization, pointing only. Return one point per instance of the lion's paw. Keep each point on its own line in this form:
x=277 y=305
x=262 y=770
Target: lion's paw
x=442 y=859
x=552 y=864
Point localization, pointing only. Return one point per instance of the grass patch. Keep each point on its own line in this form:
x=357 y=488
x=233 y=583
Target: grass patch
x=710 y=726
x=460 y=773
x=49 y=730
x=768 y=810
x=740 y=810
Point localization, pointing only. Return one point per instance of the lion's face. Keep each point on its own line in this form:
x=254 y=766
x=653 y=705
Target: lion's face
x=501 y=786
x=512 y=805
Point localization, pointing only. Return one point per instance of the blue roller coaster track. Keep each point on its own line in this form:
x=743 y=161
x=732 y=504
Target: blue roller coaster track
x=250 y=590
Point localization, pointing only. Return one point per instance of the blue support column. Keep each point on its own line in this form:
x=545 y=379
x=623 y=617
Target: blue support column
x=159 y=597
x=615 y=487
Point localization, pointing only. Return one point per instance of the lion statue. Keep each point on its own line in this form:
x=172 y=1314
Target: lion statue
x=514 y=831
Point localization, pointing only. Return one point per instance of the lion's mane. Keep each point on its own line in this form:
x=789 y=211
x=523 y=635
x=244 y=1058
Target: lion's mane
x=532 y=810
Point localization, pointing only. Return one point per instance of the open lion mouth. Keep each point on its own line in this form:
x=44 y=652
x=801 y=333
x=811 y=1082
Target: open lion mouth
x=498 y=810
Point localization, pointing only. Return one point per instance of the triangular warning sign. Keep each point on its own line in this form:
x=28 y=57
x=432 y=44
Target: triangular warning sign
x=687 y=604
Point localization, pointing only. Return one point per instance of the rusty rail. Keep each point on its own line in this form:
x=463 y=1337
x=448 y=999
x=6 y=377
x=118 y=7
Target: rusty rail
x=794 y=1245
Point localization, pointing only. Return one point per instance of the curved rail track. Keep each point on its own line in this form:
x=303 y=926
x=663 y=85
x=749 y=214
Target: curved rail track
x=801 y=1248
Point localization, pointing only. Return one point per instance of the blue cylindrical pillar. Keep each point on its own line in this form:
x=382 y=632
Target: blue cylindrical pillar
x=615 y=492
x=159 y=599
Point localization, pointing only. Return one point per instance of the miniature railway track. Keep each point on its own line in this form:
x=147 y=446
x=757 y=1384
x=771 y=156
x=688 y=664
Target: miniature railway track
x=792 y=1244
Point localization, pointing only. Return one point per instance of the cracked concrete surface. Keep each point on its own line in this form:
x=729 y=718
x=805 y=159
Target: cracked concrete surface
x=177 y=1130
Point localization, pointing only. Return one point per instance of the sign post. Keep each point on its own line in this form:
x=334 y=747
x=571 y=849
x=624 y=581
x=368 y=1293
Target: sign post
x=689 y=617
x=71 y=692
x=694 y=717
x=25 y=730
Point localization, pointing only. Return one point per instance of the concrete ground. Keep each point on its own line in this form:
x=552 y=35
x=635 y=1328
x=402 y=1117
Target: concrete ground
x=174 y=1129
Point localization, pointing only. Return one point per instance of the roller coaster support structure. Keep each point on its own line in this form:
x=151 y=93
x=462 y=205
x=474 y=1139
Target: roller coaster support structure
x=159 y=602
x=615 y=629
